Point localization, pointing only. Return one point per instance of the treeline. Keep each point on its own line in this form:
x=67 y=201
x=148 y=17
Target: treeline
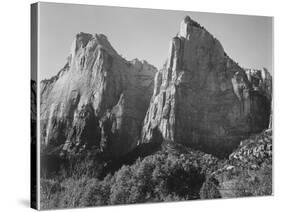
x=173 y=173
x=168 y=175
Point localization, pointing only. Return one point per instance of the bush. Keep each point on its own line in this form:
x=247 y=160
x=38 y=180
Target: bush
x=210 y=189
x=97 y=192
x=163 y=176
x=160 y=177
x=255 y=182
x=49 y=192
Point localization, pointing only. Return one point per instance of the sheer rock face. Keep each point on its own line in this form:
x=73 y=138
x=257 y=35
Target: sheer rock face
x=96 y=97
x=204 y=99
x=261 y=81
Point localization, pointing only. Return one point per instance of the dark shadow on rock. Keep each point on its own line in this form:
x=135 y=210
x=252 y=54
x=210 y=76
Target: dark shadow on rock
x=140 y=151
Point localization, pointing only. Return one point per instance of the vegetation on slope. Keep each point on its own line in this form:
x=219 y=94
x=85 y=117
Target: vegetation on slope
x=172 y=173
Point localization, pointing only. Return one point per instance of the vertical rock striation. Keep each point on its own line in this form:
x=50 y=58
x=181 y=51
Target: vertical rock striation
x=202 y=98
x=97 y=99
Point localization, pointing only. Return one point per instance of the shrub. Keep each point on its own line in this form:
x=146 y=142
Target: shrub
x=97 y=192
x=255 y=182
x=210 y=189
x=163 y=176
x=160 y=177
x=49 y=192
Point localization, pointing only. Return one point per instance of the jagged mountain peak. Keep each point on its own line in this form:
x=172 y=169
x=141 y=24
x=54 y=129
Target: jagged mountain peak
x=97 y=99
x=143 y=67
x=202 y=98
x=82 y=39
x=190 y=22
x=188 y=26
x=88 y=42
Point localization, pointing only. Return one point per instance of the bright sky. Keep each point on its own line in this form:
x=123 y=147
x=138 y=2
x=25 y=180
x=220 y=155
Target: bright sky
x=145 y=33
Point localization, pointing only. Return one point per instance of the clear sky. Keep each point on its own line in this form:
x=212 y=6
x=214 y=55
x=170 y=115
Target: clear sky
x=145 y=33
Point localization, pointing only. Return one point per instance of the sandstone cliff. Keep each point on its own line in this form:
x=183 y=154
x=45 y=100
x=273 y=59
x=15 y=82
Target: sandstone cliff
x=202 y=98
x=98 y=99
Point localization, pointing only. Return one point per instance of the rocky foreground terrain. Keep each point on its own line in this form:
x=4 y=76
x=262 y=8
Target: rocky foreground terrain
x=246 y=172
x=122 y=131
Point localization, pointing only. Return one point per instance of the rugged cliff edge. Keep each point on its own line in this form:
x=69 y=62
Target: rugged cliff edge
x=202 y=98
x=98 y=99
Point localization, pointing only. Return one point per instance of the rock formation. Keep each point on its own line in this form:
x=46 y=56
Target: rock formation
x=97 y=99
x=253 y=150
x=202 y=98
x=261 y=81
x=248 y=169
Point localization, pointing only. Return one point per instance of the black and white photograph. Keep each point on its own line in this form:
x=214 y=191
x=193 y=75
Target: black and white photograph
x=140 y=106
x=132 y=105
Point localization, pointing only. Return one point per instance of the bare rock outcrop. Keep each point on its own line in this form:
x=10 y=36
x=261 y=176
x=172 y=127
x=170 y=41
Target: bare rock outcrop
x=202 y=98
x=253 y=150
x=247 y=171
x=261 y=81
x=97 y=96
